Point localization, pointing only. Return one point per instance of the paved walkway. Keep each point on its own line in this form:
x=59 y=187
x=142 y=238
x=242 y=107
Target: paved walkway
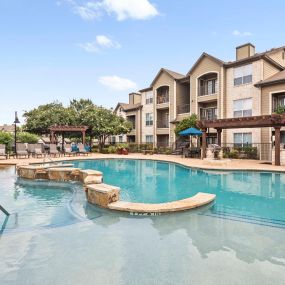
x=234 y=164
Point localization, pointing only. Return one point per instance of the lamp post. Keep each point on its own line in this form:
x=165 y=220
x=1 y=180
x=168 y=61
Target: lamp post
x=15 y=133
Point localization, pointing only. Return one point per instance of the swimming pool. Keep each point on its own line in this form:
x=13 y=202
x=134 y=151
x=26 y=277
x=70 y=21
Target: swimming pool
x=238 y=240
x=255 y=196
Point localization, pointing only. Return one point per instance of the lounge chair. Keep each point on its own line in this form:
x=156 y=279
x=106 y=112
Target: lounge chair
x=181 y=148
x=53 y=150
x=81 y=149
x=3 y=151
x=35 y=149
x=68 y=150
x=22 y=150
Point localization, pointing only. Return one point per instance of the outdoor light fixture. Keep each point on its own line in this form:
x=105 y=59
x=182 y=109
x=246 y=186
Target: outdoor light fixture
x=15 y=133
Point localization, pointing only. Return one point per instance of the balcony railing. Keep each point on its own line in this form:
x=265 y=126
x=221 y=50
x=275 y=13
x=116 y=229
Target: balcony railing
x=160 y=99
x=182 y=109
x=162 y=125
x=208 y=114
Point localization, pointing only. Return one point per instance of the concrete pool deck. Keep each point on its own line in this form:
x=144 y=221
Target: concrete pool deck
x=233 y=164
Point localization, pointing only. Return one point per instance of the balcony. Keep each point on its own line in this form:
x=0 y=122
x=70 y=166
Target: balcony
x=162 y=125
x=278 y=103
x=208 y=84
x=182 y=109
x=208 y=113
x=162 y=95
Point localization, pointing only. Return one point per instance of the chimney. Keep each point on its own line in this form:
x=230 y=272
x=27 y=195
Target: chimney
x=134 y=98
x=245 y=51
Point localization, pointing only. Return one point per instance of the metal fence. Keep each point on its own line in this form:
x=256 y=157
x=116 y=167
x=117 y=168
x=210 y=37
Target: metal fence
x=262 y=151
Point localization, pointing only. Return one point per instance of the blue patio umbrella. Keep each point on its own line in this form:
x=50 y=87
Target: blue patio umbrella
x=190 y=132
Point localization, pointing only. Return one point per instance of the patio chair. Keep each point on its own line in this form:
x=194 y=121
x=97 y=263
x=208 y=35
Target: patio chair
x=181 y=148
x=3 y=151
x=68 y=150
x=81 y=149
x=53 y=150
x=21 y=150
x=38 y=150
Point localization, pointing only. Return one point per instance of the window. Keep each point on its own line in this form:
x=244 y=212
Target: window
x=149 y=97
x=149 y=138
x=243 y=108
x=120 y=139
x=148 y=119
x=113 y=139
x=242 y=139
x=243 y=75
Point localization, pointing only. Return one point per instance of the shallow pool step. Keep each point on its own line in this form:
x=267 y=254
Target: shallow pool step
x=200 y=199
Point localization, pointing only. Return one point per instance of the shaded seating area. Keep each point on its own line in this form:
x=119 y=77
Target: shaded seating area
x=275 y=121
x=186 y=148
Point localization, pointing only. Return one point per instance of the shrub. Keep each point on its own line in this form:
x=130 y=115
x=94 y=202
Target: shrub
x=105 y=150
x=25 y=137
x=233 y=153
x=167 y=150
x=6 y=139
x=112 y=149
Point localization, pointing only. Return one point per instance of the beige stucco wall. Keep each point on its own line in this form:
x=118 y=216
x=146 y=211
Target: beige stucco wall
x=243 y=92
x=166 y=80
x=147 y=108
x=206 y=65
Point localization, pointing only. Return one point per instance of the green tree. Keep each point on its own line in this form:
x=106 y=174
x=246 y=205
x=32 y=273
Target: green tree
x=104 y=123
x=189 y=122
x=6 y=139
x=25 y=137
x=41 y=118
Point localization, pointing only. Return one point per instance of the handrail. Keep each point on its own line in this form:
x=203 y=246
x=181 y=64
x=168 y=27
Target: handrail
x=4 y=211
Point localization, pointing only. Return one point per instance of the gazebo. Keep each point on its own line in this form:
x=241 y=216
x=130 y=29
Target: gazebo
x=274 y=120
x=62 y=129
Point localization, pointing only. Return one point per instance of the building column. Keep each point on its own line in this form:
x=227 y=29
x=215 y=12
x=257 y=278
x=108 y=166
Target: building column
x=277 y=145
x=219 y=134
x=204 y=143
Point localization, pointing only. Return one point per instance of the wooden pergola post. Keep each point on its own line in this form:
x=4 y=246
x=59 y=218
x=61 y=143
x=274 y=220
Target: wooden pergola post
x=277 y=145
x=52 y=137
x=83 y=137
x=204 y=143
x=219 y=134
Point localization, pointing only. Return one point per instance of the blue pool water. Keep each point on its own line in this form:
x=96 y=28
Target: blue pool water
x=54 y=237
x=240 y=194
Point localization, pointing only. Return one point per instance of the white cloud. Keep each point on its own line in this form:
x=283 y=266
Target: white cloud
x=101 y=42
x=117 y=83
x=240 y=34
x=122 y=9
x=134 y=9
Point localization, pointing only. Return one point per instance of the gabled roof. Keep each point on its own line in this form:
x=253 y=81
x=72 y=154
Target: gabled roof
x=274 y=79
x=203 y=55
x=128 y=107
x=253 y=58
x=173 y=74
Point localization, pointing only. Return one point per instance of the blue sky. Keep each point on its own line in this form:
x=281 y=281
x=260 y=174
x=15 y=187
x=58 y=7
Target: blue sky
x=103 y=49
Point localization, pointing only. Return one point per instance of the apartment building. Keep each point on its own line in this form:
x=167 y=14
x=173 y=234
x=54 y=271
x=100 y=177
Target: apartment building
x=139 y=111
x=251 y=85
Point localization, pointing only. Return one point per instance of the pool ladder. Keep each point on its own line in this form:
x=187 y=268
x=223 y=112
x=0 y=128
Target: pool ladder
x=4 y=211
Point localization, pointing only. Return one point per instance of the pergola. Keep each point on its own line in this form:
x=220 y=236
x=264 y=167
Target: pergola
x=275 y=121
x=67 y=129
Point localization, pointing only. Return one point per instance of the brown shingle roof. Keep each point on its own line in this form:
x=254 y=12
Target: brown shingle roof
x=7 y=128
x=274 y=79
x=173 y=74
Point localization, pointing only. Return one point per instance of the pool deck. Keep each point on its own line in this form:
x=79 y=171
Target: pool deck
x=233 y=164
